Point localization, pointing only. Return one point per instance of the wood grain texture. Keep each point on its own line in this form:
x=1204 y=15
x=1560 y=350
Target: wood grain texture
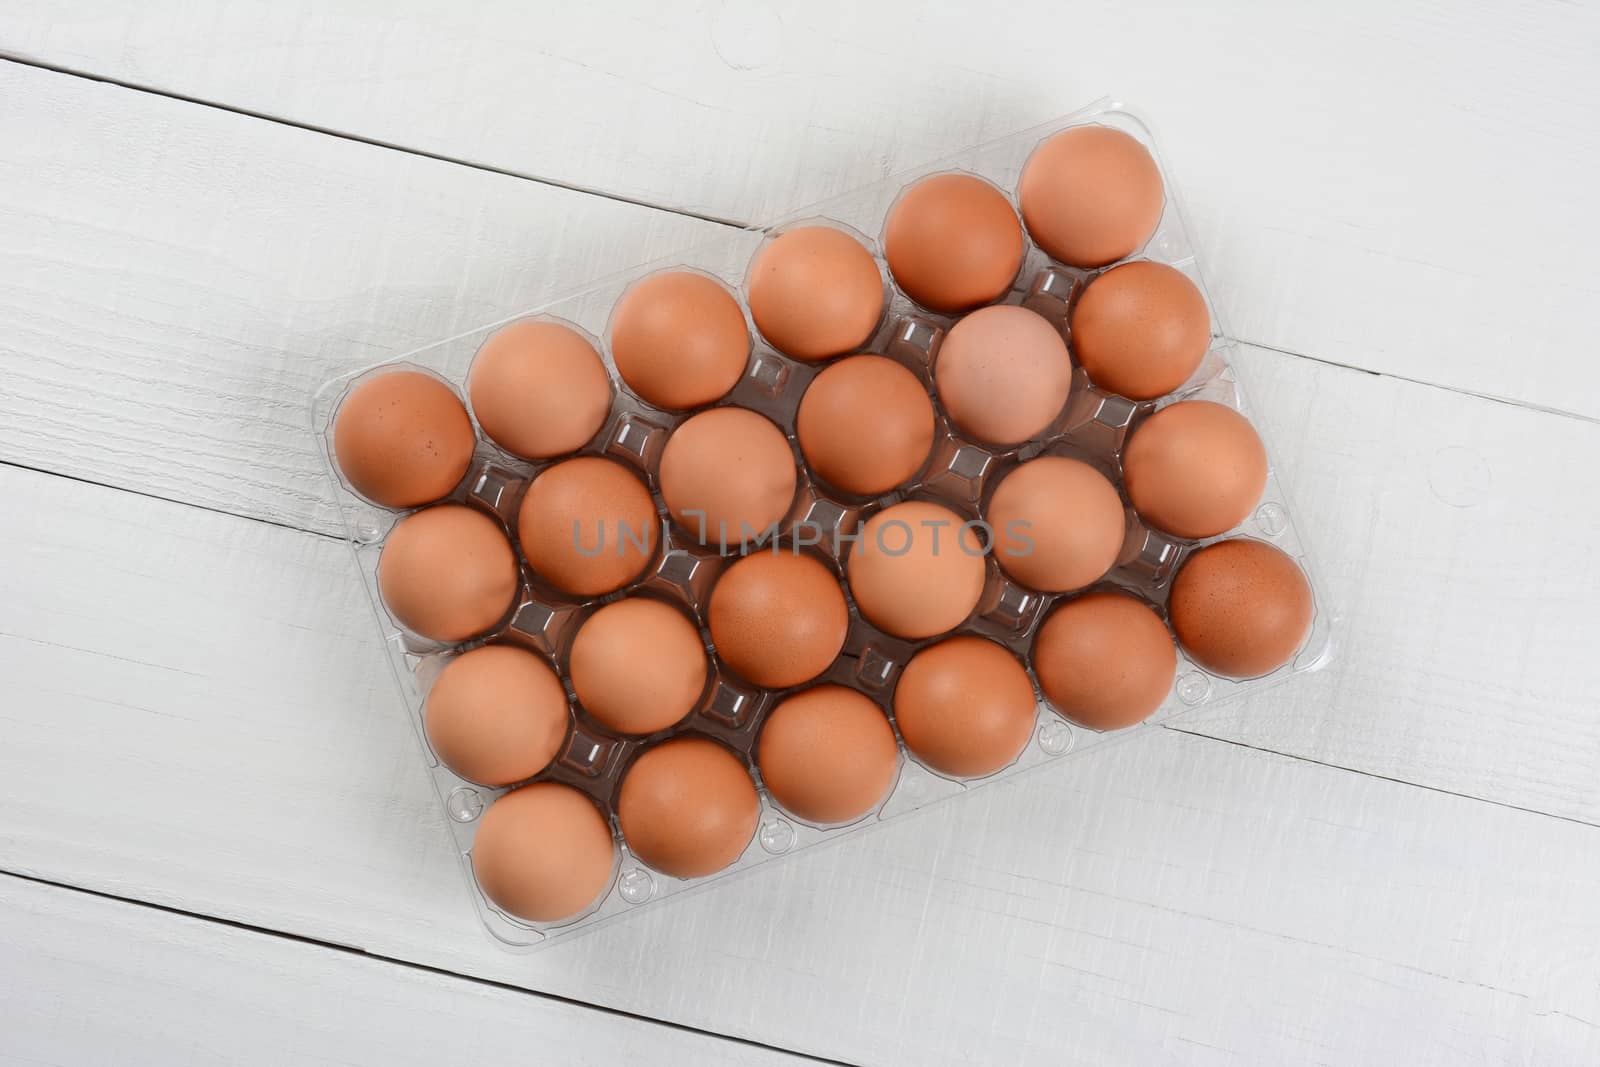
x=1404 y=189
x=89 y=980
x=1455 y=538
x=1174 y=899
x=176 y=281
x=1452 y=541
x=197 y=712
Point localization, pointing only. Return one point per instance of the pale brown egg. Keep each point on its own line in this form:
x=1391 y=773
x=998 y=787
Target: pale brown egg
x=588 y=526
x=1195 y=469
x=679 y=340
x=917 y=569
x=1105 y=660
x=953 y=242
x=865 y=425
x=1240 y=608
x=1002 y=374
x=638 y=665
x=687 y=807
x=539 y=389
x=965 y=707
x=778 y=618
x=496 y=715
x=402 y=439
x=815 y=293
x=827 y=755
x=543 y=853
x=1091 y=195
x=1140 y=329
x=1058 y=524
x=728 y=475
x=448 y=573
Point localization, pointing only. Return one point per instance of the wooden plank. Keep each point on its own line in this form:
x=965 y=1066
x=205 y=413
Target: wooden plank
x=91 y=980
x=198 y=714
x=1406 y=191
x=176 y=282
x=1454 y=536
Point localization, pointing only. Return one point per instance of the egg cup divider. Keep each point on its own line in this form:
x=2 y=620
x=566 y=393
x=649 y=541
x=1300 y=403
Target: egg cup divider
x=959 y=474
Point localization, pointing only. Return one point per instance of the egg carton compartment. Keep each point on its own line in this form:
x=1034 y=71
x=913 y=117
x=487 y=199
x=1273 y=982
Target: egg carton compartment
x=960 y=473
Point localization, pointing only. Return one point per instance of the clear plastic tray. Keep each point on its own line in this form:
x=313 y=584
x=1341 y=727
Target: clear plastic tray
x=958 y=474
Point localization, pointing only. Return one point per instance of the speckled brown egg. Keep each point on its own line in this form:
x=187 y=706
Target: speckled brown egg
x=1140 y=329
x=815 y=293
x=1195 y=469
x=539 y=389
x=687 y=807
x=588 y=526
x=865 y=425
x=1091 y=195
x=917 y=569
x=1003 y=374
x=953 y=242
x=827 y=755
x=728 y=475
x=496 y=715
x=778 y=618
x=1105 y=660
x=402 y=439
x=965 y=707
x=638 y=665
x=679 y=339
x=543 y=853
x=1058 y=524
x=1240 y=608
x=447 y=573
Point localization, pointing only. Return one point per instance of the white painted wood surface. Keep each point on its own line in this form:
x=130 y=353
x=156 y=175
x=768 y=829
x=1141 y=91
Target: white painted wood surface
x=1405 y=188
x=244 y=756
x=100 y=981
x=1456 y=549
x=197 y=713
x=177 y=281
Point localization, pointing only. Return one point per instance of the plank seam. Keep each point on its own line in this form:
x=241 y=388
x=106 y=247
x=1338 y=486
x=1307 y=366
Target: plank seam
x=373 y=142
x=445 y=972
x=717 y=220
x=1189 y=731
x=1192 y=732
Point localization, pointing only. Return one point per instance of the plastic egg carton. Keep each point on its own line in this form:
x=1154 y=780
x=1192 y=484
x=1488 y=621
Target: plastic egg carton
x=958 y=474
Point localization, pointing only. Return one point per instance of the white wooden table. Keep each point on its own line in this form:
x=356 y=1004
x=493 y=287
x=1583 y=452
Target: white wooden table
x=217 y=840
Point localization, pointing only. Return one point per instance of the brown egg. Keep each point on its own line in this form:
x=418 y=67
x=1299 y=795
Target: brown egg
x=953 y=242
x=402 y=439
x=539 y=389
x=965 y=707
x=827 y=755
x=543 y=853
x=447 y=573
x=1105 y=660
x=865 y=425
x=1195 y=469
x=728 y=474
x=496 y=715
x=687 y=807
x=1240 y=608
x=679 y=340
x=1002 y=374
x=917 y=569
x=778 y=618
x=1091 y=195
x=815 y=292
x=1058 y=524
x=1139 y=330
x=638 y=665
x=588 y=526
